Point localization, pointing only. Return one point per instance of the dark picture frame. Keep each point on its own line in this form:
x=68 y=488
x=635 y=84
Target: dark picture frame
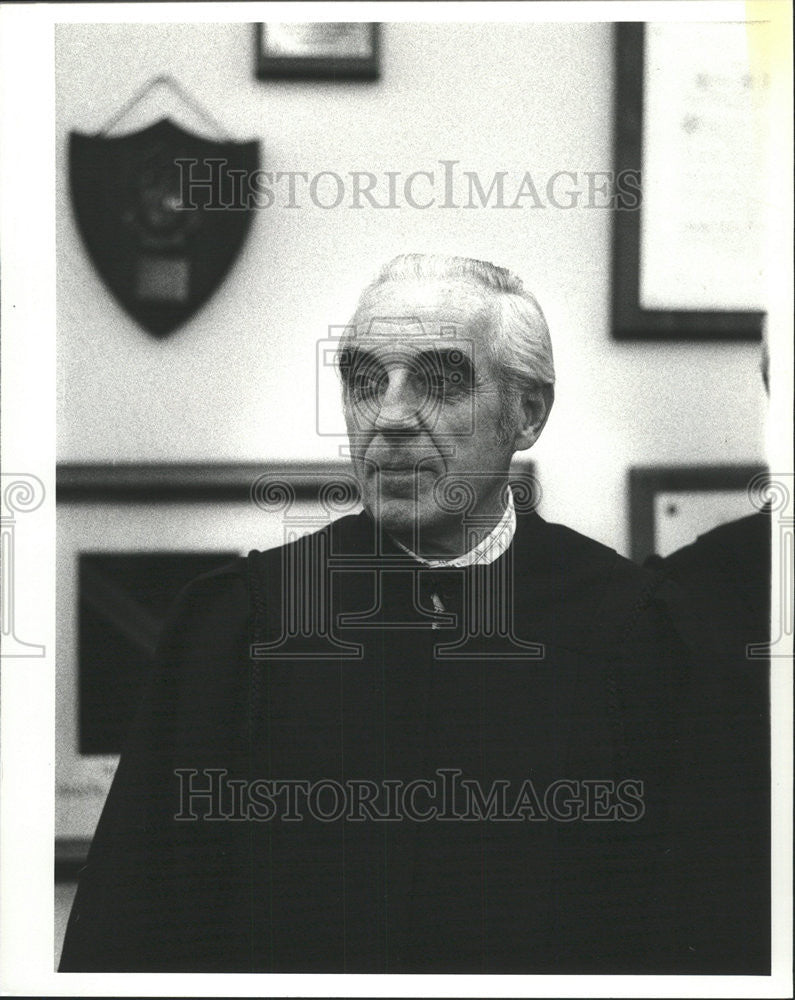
x=630 y=321
x=199 y=482
x=332 y=58
x=647 y=482
x=124 y=598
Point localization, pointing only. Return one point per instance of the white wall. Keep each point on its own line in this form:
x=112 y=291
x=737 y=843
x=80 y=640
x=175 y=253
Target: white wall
x=236 y=383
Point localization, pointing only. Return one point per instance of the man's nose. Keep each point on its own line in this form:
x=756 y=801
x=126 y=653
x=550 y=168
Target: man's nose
x=400 y=403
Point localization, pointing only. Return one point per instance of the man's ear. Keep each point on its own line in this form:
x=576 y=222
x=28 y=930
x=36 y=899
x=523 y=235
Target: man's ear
x=536 y=405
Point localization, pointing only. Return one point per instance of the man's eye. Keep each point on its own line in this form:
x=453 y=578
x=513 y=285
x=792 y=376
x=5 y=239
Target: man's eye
x=447 y=383
x=365 y=383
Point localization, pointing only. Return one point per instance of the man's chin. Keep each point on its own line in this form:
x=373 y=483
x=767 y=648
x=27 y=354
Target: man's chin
x=405 y=519
x=395 y=514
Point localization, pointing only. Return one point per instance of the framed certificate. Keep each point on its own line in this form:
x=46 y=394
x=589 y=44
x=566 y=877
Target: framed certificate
x=670 y=506
x=338 y=50
x=690 y=120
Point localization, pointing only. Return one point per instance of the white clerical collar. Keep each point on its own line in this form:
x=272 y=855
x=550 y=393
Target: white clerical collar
x=486 y=551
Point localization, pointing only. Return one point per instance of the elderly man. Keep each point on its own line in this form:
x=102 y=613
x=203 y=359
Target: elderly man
x=436 y=736
x=447 y=369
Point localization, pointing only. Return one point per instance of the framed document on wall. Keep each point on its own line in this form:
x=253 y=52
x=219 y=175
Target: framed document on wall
x=670 y=506
x=691 y=114
x=339 y=50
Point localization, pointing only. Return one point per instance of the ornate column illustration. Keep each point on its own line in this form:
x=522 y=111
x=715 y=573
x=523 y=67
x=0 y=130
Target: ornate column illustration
x=21 y=493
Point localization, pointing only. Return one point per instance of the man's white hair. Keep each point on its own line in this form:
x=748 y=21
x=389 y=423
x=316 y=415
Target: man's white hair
x=521 y=346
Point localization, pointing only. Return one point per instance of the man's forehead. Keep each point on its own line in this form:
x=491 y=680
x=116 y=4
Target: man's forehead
x=404 y=337
x=413 y=330
x=417 y=316
x=434 y=308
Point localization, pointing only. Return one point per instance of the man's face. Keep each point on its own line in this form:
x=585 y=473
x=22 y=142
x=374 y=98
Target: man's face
x=422 y=401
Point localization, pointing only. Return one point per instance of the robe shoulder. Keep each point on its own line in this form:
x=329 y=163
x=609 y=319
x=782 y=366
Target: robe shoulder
x=592 y=598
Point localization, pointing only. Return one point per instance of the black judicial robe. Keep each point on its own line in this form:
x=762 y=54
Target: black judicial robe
x=722 y=608
x=600 y=702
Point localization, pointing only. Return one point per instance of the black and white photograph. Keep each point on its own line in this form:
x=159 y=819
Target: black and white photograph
x=397 y=499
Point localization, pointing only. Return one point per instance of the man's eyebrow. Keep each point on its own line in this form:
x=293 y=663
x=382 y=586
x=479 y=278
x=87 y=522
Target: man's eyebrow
x=429 y=359
x=448 y=357
x=353 y=357
x=451 y=355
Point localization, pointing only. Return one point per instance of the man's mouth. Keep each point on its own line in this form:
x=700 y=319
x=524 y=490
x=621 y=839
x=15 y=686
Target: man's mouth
x=401 y=480
x=415 y=469
x=399 y=470
x=406 y=473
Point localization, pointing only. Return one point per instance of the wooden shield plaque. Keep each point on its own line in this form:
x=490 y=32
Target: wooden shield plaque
x=161 y=215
